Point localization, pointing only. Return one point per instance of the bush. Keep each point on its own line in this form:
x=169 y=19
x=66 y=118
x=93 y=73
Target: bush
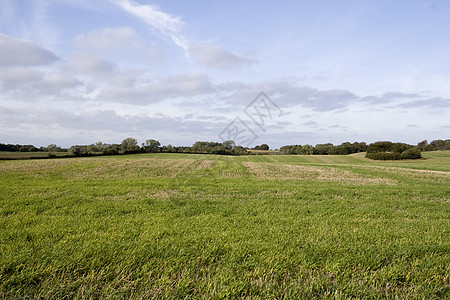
x=412 y=153
x=392 y=151
x=383 y=155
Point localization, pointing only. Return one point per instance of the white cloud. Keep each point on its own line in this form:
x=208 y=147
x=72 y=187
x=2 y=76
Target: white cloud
x=166 y=24
x=98 y=71
x=147 y=91
x=437 y=102
x=16 y=77
x=120 y=44
x=28 y=72
x=287 y=94
x=330 y=100
x=88 y=64
x=18 y=52
x=54 y=125
x=107 y=39
x=32 y=85
x=218 y=58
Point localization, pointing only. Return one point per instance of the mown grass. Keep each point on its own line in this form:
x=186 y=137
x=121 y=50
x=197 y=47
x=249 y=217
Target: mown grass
x=6 y=155
x=203 y=226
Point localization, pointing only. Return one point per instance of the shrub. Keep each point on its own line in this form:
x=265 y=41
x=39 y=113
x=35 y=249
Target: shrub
x=392 y=151
x=383 y=155
x=412 y=153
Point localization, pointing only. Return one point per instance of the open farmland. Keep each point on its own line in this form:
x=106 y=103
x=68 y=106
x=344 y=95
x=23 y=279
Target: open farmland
x=29 y=155
x=204 y=226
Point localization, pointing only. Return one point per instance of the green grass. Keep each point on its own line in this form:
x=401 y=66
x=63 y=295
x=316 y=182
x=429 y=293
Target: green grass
x=204 y=226
x=29 y=155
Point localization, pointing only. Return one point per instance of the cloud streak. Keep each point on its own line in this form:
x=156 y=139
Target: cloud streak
x=107 y=39
x=168 y=25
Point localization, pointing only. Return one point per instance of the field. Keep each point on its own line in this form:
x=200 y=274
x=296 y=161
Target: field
x=27 y=155
x=204 y=226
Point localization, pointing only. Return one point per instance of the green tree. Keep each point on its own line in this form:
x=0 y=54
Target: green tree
x=129 y=145
x=91 y=148
x=422 y=145
x=323 y=149
x=111 y=149
x=264 y=147
x=78 y=150
x=100 y=147
x=439 y=144
x=229 y=145
x=151 y=145
x=307 y=149
x=53 y=148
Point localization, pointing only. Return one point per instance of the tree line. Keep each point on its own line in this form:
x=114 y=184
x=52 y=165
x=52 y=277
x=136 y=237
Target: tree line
x=130 y=145
x=30 y=148
x=325 y=149
x=383 y=150
x=377 y=150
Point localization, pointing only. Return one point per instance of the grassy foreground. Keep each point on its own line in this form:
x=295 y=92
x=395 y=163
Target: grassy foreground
x=202 y=226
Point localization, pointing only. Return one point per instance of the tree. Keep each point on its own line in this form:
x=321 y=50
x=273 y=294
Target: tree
x=111 y=149
x=53 y=148
x=307 y=149
x=151 y=146
x=422 y=145
x=439 y=144
x=323 y=149
x=264 y=147
x=91 y=148
x=78 y=150
x=129 y=145
x=239 y=150
x=384 y=146
x=100 y=147
x=229 y=145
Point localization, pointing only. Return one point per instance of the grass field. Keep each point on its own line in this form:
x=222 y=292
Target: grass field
x=204 y=226
x=4 y=155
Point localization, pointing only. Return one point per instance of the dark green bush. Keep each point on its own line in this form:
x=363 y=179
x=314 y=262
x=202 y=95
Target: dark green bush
x=392 y=151
x=412 y=153
x=383 y=155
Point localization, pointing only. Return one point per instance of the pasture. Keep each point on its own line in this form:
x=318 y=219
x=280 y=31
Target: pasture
x=208 y=226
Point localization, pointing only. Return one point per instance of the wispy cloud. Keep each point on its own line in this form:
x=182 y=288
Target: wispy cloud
x=168 y=25
x=107 y=39
x=218 y=58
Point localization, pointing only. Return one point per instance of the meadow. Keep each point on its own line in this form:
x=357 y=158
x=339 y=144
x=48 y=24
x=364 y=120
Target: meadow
x=208 y=226
x=5 y=155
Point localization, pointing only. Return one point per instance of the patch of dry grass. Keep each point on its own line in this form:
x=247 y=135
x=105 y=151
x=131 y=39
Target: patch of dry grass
x=100 y=168
x=301 y=172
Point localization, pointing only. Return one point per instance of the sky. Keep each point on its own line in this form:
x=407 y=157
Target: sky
x=275 y=72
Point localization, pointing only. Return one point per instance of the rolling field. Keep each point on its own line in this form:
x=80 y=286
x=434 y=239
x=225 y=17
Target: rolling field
x=205 y=226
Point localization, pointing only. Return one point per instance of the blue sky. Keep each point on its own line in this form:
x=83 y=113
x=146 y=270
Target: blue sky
x=79 y=71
